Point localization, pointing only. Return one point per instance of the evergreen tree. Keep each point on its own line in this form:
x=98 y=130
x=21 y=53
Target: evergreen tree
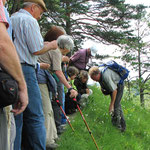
x=104 y=21
x=137 y=52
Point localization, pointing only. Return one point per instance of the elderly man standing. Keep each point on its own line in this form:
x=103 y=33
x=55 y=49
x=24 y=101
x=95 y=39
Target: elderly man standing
x=29 y=43
x=81 y=57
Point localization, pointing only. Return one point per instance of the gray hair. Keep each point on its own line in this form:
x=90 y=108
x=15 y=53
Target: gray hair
x=65 y=41
x=27 y=4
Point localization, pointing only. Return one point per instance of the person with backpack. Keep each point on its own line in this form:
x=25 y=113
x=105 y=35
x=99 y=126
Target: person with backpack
x=111 y=84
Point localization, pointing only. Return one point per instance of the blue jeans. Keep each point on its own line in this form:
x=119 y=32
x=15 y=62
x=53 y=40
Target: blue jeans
x=32 y=119
x=63 y=119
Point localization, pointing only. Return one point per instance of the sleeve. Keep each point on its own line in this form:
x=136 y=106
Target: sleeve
x=73 y=85
x=34 y=38
x=75 y=57
x=2 y=14
x=56 y=60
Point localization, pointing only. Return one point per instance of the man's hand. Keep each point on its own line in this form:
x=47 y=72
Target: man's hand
x=22 y=102
x=65 y=59
x=87 y=91
x=51 y=45
x=111 y=109
x=73 y=93
x=44 y=66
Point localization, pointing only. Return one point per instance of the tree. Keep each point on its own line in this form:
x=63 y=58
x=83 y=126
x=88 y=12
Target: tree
x=102 y=21
x=14 y=5
x=137 y=52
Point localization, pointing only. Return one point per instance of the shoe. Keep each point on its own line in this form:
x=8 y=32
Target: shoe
x=57 y=139
x=60 y=131
x=63 y=126
x=52 y=146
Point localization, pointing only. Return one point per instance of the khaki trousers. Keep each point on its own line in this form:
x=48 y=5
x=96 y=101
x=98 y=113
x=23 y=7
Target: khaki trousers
x=11 y=127
x=51 y=132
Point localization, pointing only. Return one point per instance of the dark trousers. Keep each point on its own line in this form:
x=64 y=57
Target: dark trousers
x=56 y=109
x=118 y=117
x=70 y=105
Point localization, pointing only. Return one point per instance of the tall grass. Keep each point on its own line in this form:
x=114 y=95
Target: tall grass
x=136 y=136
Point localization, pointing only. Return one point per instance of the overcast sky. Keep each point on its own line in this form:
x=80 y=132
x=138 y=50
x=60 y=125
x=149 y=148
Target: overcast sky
x=135 y=2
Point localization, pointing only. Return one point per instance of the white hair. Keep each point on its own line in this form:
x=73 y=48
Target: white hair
x=65 y=41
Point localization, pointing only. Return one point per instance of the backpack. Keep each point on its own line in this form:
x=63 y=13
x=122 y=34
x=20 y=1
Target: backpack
x=122 y=71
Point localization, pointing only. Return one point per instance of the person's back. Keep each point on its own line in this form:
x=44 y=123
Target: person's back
x=24 y=36
x=110 y=80
x=80 y=58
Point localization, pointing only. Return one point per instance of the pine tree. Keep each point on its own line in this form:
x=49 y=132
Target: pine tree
x=104 y=21
x=137 y=53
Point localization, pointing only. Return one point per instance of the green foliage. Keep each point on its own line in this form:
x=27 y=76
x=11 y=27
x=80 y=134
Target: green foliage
x=136 y=136
x=102 y=21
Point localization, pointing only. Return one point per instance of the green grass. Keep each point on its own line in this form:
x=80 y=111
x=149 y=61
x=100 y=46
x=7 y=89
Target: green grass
x=136 y=136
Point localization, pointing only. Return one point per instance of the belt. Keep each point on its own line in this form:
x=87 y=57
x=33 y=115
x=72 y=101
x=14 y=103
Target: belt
x=25 y=64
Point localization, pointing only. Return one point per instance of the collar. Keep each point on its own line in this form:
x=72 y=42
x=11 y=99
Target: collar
x=25 y=12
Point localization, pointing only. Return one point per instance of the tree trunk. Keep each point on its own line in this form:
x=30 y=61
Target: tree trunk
x=129 y=90
x=142 y=97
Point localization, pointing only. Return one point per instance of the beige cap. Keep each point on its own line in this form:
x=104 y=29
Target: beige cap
x=39 y=2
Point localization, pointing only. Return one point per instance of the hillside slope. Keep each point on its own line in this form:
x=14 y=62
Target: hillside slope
x=136 y=136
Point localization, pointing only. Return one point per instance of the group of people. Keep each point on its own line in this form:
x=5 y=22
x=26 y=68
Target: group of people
x=40 y=66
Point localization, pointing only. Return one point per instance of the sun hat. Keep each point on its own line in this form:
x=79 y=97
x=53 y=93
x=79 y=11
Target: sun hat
x=93 y=50
x=39 y=2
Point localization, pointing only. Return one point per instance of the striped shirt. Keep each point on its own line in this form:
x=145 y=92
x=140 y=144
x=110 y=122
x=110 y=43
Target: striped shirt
x=2 y=14
x=27 y=36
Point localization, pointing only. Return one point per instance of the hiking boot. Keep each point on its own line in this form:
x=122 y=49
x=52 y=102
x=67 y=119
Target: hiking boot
x=60 y=131
x=123 y=124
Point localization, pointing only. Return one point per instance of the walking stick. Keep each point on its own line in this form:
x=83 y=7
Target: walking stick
x=64 y=114
x=86 y=123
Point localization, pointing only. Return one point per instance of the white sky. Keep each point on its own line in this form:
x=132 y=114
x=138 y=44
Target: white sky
x=135 y=2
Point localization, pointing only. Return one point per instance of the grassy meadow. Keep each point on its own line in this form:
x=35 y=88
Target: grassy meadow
x=107 y=137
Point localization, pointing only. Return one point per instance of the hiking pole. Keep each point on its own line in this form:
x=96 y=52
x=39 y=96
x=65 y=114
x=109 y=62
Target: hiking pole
x=86 y=123
x=64 y=114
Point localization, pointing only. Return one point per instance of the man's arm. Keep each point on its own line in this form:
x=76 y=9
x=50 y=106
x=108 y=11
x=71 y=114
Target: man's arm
x=60 y=75
x=10 y=62
x=113 y=98
x=75 y=57
x=47 y=46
